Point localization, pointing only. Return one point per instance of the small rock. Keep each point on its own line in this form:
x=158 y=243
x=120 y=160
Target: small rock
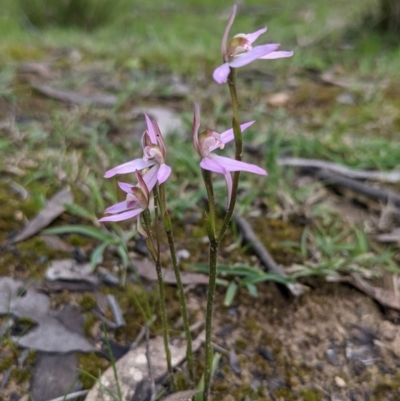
x=182 y=254
x=387 y=331
x=345 y=98
x=340 y=382
x=167 y=119
x=266 y=353
x=279 y=99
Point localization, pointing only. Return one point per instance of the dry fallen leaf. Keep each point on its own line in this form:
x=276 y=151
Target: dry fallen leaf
x=132 y=369
x=168 y=120
x=53 y=208
x=50 y=335
x=181 y=396
x=75 y=97
x=70 y=270
x=393 y=236
x=279 y=99
x=55 y=243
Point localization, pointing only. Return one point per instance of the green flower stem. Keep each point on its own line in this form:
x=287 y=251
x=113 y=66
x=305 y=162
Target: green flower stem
x=238 y=151
x=211 y=215
x=171 y=243
x=213 y=253
x=215 y=239
x=156 y=257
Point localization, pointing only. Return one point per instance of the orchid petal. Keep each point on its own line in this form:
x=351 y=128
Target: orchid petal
x=117 y=208
x=126 y=187
x=140 y=228
x=150 y=129
x=235 y=165
x=228 y=180
x=122 y=216
x=275 y=55
x=226 y=32
x=129 y=167
x=163 y=173
x=150 y=178
x=142 y=185
x=254 y=54
x=207 y=163
x=252 y=37
x=221 y=73
x=228 y=135
x=196 y=126
x=160 y=139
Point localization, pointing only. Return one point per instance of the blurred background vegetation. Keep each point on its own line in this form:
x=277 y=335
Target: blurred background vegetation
x=180 y=34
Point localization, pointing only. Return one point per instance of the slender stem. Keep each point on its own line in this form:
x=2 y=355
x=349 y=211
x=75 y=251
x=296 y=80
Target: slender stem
x=213 y=253
x=210 y=220
x=215 y=239
x=238 y=151
x=138 y=279
x=182 y=301
x=156 y=257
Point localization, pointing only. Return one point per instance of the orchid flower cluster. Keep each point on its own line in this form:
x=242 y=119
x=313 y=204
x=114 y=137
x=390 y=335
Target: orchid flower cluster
x=152 y=172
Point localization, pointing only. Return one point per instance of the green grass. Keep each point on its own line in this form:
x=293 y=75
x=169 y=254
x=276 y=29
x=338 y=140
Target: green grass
x=185 y=36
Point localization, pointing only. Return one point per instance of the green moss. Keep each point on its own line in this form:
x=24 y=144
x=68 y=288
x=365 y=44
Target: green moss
x=87 y=301
x=285 y=394
x=90 y=320
x=77 y=240
x=242 y=393
x=240 y=344
x=385 y=388
x=252 y=325
x=181 y=383
x=220 y=387
x=311 y=395
x=91 y=366
x=7 y=362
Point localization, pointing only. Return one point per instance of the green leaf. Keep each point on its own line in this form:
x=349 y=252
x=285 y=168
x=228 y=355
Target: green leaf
x=230 y=293
x=82 y=230
x=97 y=254
x=79 y=211
x=266 y=277
x=252 y=289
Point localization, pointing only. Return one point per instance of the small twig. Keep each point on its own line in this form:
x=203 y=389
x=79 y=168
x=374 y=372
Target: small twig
x=262 y=253
x=193 y=327
x=142 y=333
x=74 y=97
x=220 y=349
x=108 y=323
x=71 y=396
x=384 y=297
x=116 y=311
x=391 y=177
x=148 y=357
x=379 y=194
x=6 y=377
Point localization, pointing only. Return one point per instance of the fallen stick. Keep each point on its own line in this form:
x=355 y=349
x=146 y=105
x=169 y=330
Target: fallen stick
x=264 y=256
x=75 y=98
x=384 y=297
x=379 y=194
x=391 y=177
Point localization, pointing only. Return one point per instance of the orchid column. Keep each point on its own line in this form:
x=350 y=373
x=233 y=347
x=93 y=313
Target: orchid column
x=238 y=53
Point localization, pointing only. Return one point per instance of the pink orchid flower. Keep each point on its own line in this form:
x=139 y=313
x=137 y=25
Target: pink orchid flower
x=208 y=141
x=154 y=154
x=137 y=199
x=240 y=51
